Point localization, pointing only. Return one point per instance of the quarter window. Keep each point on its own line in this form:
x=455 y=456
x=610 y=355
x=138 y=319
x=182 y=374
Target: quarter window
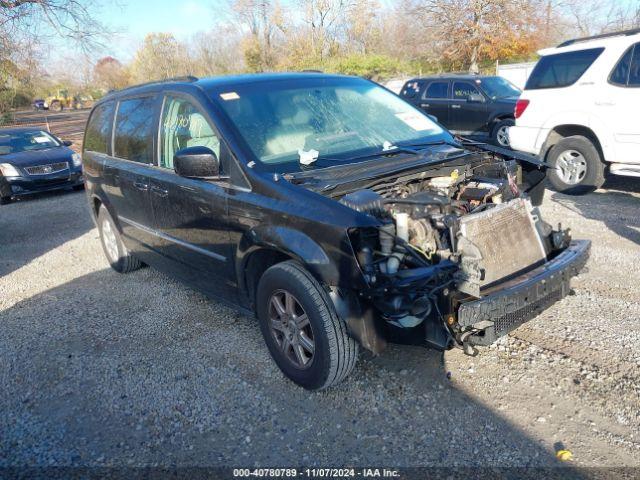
x=411 y=89
x=134 y=130
x=98 y=135
x=183 y=125
x=437 y=90
x=634 y=73
x=463 y=90
x=620 y=74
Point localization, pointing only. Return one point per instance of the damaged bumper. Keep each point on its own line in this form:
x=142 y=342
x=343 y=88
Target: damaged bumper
x=509 y=305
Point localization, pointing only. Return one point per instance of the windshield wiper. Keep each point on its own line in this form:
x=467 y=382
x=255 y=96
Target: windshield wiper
x=410 y=148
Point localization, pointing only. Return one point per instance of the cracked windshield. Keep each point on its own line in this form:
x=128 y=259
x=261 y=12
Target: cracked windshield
x=324 y=124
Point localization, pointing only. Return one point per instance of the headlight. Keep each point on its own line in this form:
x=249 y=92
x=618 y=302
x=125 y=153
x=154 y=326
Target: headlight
x=9 y=170
x=75 y=158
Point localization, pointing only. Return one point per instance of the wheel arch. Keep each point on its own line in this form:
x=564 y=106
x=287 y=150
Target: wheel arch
x=559 y=132
x=265 y=246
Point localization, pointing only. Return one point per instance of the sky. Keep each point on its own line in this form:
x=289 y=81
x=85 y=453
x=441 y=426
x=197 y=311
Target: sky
x=133 y=19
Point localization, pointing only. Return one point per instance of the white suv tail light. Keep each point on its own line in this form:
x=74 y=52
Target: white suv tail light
x=521 y=106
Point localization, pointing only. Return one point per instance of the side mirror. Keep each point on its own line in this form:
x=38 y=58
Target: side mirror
x=476 y=98
x=67 y=143
x=196 y=162
x=433 y=117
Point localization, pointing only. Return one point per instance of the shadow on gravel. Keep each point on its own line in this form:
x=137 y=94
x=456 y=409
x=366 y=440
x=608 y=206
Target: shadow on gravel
x=114 y=370
x=598 y=206
x=34 y=225
x=623 y=184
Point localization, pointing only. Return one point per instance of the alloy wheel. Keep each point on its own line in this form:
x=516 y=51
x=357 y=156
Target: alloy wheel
x=572 y=167
x=291 y=329
x=502 y=136
x=110 y=241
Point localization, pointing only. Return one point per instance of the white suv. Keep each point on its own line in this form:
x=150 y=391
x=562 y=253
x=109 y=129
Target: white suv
x=579 y=110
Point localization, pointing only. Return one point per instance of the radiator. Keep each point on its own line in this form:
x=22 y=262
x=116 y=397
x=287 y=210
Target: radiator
x=506 y=237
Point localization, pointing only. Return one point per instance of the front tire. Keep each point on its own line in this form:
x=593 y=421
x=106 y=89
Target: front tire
x=5 y=200
x=500 y=133
x=115 y=250
x=577 y=166
x=305 y=336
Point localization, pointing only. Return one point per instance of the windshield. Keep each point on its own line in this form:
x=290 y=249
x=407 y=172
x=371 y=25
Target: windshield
x=498 y=87
x=26 y=141
x=321 y=122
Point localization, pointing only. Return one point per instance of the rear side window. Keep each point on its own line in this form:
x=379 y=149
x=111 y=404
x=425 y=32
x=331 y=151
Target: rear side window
x=463 y=90
x=133 y=136
x=437 y=90
x=562 y=69
x=97 y=137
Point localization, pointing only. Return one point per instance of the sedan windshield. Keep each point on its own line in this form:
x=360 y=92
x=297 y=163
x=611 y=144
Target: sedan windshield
x=25 y=141
x=498 y=87
x=322 y=122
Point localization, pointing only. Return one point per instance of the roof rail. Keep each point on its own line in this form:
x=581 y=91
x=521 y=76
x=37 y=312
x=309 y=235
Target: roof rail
x=184 y=78
x=602 y=35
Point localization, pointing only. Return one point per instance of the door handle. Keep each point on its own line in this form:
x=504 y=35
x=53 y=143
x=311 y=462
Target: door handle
x=425 y=105
x=455 y=106
x=161 y=192
x=141 y=185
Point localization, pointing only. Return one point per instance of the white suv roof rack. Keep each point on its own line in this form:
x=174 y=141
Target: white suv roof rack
x=602 y=35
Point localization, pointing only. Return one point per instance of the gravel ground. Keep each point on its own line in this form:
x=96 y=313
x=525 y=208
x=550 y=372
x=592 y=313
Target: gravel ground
x=102 y=369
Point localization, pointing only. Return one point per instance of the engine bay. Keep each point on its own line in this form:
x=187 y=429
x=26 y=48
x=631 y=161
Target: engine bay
x=446 y=237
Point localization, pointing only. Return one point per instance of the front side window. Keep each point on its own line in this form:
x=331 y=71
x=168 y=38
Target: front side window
x=463 y=90
x=498 y=87
x=562 y=69
x=437 y=90
x=331 y=120
x=133 y=136
x=97 y=135
x=26 y=141
x=183 y=125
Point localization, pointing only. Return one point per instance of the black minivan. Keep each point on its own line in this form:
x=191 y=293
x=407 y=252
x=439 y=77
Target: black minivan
x=339 y=214
x=470 y=105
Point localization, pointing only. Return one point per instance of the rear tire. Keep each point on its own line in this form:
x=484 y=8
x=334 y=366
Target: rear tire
x=77 y=188
x=114 y=248
x=334 y=353
x=500 y=132
x=577 y=166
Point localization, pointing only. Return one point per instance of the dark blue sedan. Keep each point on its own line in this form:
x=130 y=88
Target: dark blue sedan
x=33 y=160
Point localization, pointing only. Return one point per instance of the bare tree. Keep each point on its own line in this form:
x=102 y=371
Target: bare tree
x=65 y=18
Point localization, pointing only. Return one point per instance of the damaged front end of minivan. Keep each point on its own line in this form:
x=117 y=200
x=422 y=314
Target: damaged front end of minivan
x=460 y=254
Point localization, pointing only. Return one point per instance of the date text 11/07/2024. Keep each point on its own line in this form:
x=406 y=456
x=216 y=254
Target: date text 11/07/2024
x=316 y=472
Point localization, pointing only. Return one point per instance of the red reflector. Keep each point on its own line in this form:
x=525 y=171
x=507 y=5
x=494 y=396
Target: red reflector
x=521 y=106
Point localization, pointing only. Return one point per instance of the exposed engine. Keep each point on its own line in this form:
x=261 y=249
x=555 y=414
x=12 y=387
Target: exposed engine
x=449 y=234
